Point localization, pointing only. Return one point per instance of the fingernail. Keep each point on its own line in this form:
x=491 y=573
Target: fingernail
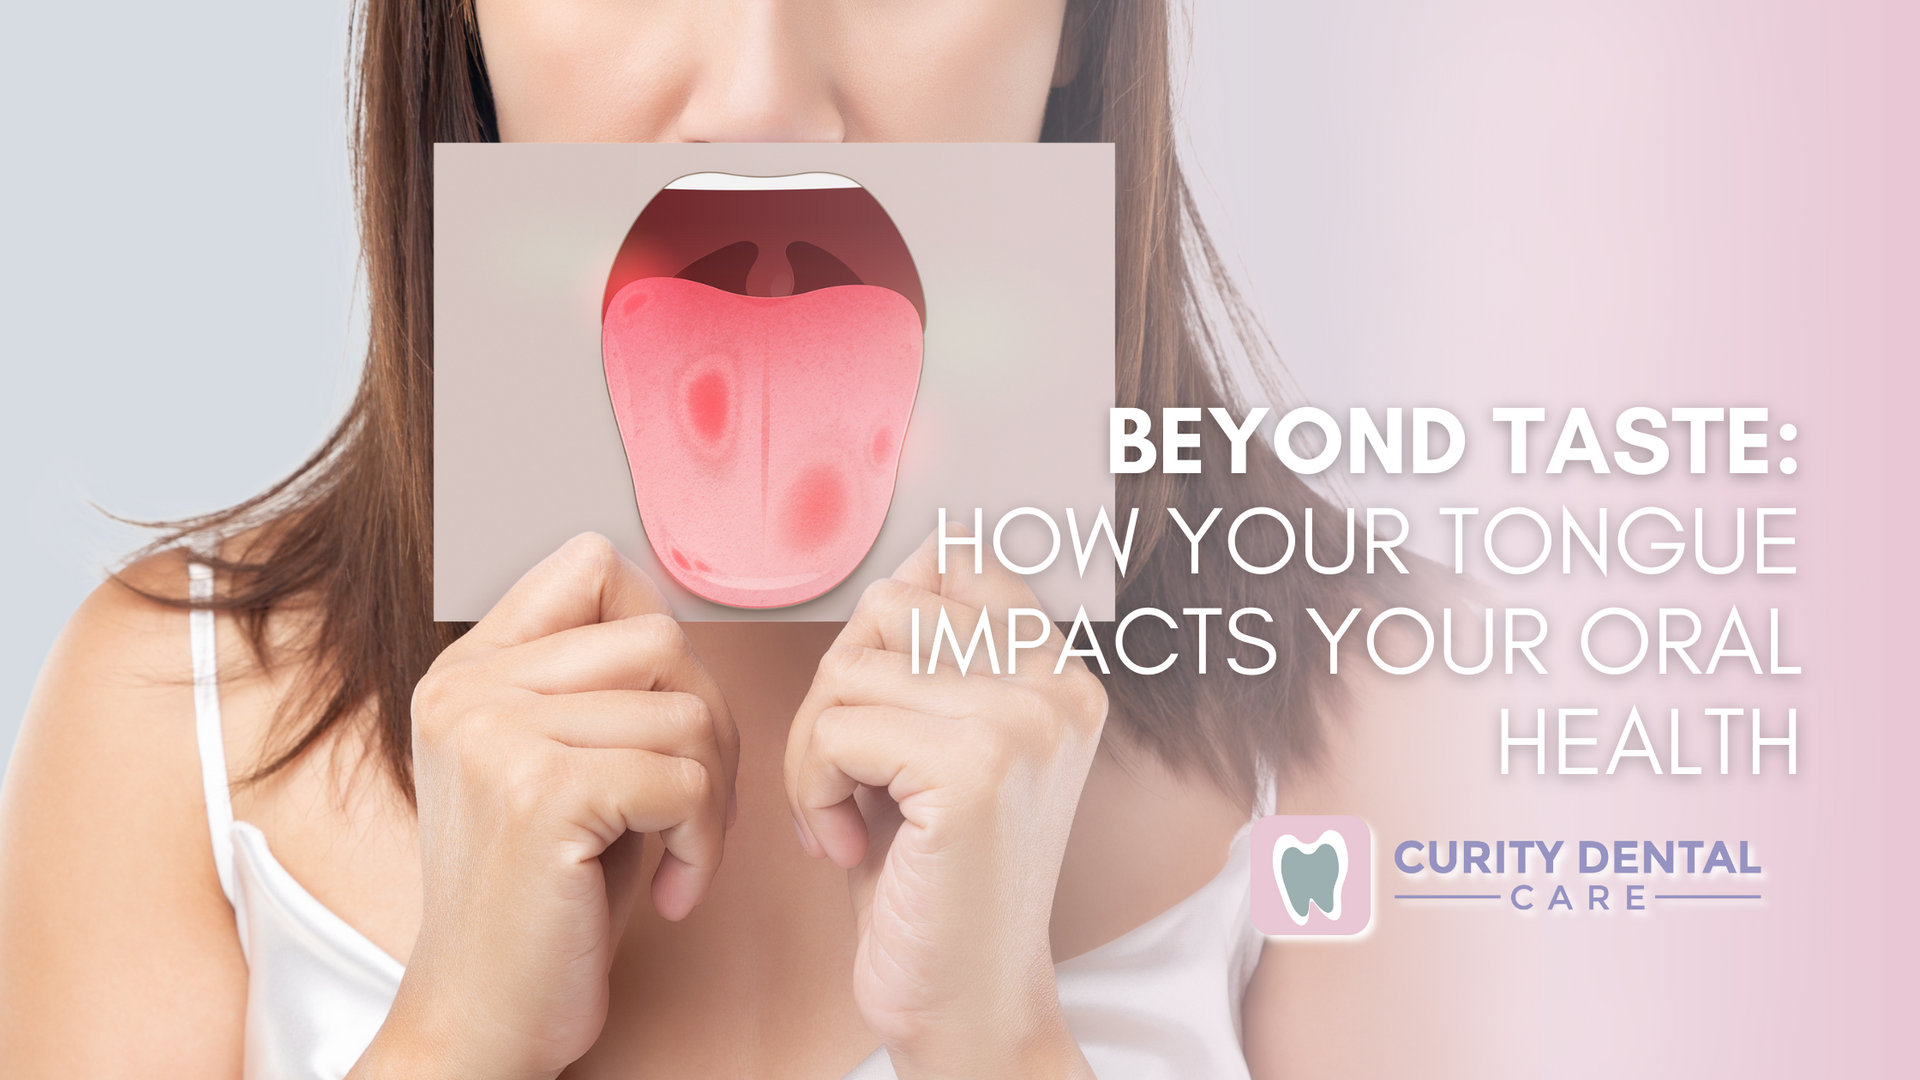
x=800 y=832
x=733 y=808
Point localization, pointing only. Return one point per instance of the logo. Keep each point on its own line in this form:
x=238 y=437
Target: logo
x=1312 y=876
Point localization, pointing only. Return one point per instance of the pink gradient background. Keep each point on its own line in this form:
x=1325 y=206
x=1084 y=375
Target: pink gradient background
x=1667 y=204
x=1900 y=388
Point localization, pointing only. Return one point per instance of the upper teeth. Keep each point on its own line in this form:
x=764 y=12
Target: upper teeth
x=719 y=181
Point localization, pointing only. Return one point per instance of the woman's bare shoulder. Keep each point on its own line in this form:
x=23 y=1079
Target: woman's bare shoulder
x=1396 y=759
x=109 y=905
x=119 y=671
x=1146 y=836
x=108 y=735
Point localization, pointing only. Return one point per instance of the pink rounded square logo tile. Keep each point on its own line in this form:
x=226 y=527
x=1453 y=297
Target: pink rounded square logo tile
x=1312 y=875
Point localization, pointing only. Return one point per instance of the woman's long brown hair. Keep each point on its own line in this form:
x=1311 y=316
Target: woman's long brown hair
x=347 y=538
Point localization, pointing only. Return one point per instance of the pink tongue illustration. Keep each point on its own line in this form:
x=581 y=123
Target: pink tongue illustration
x=763 y=433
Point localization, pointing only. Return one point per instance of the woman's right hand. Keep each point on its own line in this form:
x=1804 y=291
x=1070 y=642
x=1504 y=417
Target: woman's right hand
x=567 y=723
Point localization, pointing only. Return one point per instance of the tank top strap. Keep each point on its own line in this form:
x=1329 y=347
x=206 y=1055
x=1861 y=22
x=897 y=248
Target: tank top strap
x=207 y=727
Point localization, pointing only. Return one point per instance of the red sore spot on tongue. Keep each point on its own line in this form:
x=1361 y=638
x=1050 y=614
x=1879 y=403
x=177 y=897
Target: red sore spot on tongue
x=816 y=506
x=707 y=405
x=632 y=303
x=881 y=449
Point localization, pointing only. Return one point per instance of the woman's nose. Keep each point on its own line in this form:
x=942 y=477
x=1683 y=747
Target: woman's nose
x=758 y=78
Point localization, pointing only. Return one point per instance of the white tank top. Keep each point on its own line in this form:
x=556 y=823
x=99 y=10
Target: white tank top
x=1160 y=1002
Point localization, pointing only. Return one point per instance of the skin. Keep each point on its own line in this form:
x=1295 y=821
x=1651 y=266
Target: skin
x=707 y=849
x=772 y=70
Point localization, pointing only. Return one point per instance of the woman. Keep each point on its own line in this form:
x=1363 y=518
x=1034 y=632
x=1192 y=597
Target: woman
x=471 y=801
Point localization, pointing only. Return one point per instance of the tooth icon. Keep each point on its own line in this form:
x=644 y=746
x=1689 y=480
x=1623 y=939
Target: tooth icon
x=1310 y=875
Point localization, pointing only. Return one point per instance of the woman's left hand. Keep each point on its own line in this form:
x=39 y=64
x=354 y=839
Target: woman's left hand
x=949 y=798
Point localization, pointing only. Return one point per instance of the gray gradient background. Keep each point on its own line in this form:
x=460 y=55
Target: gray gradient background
x=1014 y=247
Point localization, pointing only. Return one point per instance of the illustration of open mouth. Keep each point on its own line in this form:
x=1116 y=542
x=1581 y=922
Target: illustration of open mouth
x=762 y=342
x=1310 y=875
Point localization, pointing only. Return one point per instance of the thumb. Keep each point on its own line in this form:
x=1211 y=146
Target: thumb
x=992 y=586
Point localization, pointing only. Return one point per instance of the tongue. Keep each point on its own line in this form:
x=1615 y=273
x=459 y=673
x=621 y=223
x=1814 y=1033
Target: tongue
x=763 y=432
